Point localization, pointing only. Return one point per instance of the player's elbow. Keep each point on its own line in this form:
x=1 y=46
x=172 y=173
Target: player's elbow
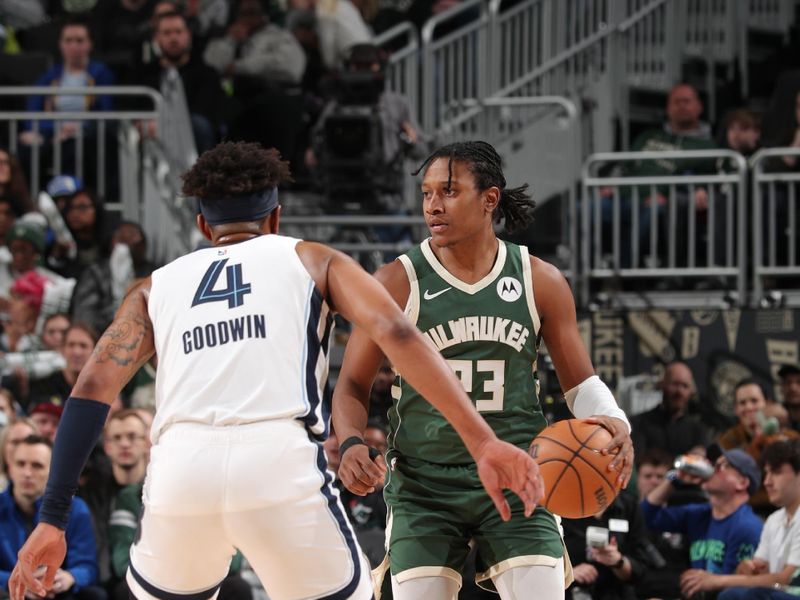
x=395 y=330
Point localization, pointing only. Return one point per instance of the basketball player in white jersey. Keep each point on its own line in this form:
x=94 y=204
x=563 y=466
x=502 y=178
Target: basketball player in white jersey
x=241 y=332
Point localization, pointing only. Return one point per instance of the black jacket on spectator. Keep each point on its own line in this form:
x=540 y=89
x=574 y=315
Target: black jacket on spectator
x=633 y=545
x=201 y=84
x=655 y=429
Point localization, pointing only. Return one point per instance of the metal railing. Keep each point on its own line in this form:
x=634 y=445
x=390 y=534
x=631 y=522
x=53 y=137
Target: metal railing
x=402 y=73
x=775 y=216
x=666 y=227
x=455 y=63
x=103 y=121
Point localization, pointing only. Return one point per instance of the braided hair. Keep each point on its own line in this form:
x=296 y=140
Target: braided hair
x=483 y=161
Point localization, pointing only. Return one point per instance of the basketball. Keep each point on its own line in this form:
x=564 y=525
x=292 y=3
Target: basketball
x=577 y=482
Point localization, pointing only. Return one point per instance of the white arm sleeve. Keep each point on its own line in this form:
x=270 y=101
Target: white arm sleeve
x=592 y=397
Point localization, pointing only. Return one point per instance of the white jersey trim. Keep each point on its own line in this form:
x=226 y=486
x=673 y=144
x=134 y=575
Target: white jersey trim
x=467 y=288
x=527 y=276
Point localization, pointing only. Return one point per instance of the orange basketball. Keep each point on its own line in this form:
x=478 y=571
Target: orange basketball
x=577 y=482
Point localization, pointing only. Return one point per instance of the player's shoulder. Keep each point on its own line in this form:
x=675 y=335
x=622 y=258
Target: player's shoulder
x=545 y=271
x=396 y=278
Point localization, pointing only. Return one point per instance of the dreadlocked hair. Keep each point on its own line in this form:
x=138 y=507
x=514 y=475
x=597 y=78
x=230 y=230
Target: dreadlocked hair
x=515 y=207
x=235 y=169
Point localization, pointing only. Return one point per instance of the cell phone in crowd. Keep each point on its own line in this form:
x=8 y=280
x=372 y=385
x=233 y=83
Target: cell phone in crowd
x=596 y=537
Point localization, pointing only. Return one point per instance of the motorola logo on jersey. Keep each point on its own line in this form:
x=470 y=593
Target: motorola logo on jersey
x=509 y=289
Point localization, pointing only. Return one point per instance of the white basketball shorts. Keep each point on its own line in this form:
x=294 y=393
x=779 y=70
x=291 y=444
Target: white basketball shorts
x=262 y=488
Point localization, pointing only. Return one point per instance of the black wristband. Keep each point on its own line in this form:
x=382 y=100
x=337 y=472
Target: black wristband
x=353 y=440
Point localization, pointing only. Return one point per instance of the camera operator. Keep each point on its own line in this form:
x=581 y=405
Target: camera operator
x=361 y=141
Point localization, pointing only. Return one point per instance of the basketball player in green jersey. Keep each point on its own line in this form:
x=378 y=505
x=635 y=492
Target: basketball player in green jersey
x=472 y=295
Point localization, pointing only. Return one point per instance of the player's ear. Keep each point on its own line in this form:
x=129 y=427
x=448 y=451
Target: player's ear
x=491 y=198
x=272 y=223
x=204 y=227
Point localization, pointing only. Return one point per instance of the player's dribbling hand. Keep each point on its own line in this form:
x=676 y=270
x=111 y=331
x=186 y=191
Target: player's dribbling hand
x=620 y=444
x=502 y=466
x=359 y=473
x=46 y=547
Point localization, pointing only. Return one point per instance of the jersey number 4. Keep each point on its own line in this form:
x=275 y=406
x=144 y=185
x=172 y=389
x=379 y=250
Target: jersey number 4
x=234 y=292
x=495 y=385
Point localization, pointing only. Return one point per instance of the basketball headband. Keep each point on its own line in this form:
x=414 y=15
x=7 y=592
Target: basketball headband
x=251 y=207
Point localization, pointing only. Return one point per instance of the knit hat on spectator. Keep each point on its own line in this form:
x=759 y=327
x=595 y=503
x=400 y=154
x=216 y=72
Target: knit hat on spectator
x=64 y=185
x=29 y=232
x=54 y=407
x=30 y=288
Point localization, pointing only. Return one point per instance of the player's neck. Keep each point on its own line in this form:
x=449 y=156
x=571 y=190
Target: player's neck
x=471 y=259
x=234 y=238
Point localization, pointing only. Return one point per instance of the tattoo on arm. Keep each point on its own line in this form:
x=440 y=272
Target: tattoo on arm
x=122 y=341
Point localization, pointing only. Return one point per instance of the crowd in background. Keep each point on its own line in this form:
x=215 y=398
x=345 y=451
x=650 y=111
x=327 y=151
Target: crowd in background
x=257 y=70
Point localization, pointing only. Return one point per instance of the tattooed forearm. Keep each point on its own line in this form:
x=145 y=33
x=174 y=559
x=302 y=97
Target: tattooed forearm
x=122 y=341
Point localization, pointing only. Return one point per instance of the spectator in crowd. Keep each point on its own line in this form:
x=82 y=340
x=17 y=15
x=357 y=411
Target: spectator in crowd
x=753 y=431
x=75 y=69
x=257 y=49
x=79 y=341
x=667 y=551
x=102 y=285
x=651 y=469
x=790 y=135
x=122 y=26
x=126 y=453
x=62 y=187
x=7 y=408
x=790 y=393
x=741 y=131
x=202 y=88
x=16 y=431
x=720 y=533
x=340 y=25
x=26 y=245
x=53 y=332
x=265 y=64
x=46 y=415
x=7 y=219
x=777 y=558
x=13 y=186
x=607 y=571
x=85 y=218
x=683 y=130
x=22 y=14
x=19 y=324
x=19 y=510
x=669 y=426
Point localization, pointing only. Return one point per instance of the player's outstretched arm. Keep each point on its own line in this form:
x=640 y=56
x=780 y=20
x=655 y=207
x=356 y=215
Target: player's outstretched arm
x=588 y=397
x=350 y=411
x=124 y=347
x=365 y=302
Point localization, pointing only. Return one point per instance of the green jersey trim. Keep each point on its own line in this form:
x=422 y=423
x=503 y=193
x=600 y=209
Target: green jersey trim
x=467 y=288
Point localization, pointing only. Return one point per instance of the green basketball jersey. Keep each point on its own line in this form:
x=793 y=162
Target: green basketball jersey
x=489 y=333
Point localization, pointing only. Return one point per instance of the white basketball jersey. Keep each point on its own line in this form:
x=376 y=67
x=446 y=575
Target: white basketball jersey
x=242 y=336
